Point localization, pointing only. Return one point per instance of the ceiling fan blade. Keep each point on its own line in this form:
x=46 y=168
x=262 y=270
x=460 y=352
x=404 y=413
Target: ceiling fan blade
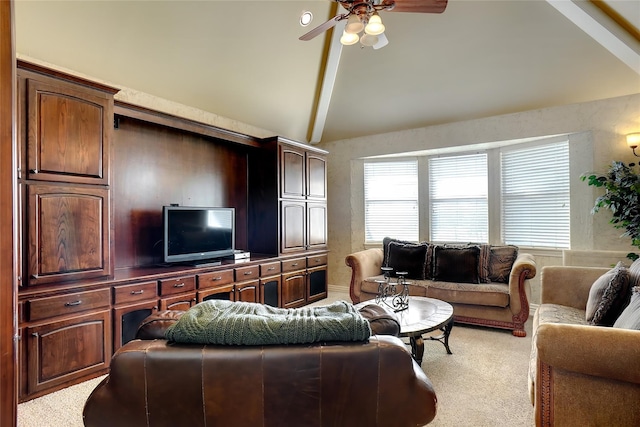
x=420 y=6
x=323 y=27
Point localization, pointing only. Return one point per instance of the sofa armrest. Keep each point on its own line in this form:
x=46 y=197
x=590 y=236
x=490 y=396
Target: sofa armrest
x=590 y=350
x=568 y=285
x=155 y=325
x=363 y=264
x=523 y=269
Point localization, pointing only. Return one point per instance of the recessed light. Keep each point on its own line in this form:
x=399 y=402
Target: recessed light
x=306 y=18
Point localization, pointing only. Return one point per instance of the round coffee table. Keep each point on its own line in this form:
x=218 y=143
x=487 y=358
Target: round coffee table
x=423 y=315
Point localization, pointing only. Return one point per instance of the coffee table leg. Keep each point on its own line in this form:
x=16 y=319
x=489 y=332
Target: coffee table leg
x=417 y=348
x=444 y=337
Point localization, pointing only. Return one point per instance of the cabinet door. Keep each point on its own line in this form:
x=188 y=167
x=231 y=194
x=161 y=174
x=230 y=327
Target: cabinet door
x=292 y=172
x=316 y=177
x=222 y=292
x=68 y=132
x=126 y=320
x=293 y=230
x=67 y=350
x=248 y=291
x=68 y=232
x=270 y=291
x=294 y=289
x=179 y=302
x=317 y=283
x=316 y=226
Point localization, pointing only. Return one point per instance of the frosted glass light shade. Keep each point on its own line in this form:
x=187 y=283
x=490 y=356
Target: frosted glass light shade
x=633 y=140
x=354 y=25
x=375 y=26
x=348 y=39
x=368 y=40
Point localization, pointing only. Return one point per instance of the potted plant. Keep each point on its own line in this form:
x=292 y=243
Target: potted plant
x=621 y=197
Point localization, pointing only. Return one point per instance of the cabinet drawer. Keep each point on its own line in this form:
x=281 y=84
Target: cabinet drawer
x=42 y=308
x=216 y=278
x=314 y=261
x=135 y=292
x=270 y=268
x=294 y=264
x=247 y=273
x=177 y=286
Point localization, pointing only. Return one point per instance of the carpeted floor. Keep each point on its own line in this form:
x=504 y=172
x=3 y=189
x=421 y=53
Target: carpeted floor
x=483 y=383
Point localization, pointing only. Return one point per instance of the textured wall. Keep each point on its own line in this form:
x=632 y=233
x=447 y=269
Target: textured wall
x=596 y=135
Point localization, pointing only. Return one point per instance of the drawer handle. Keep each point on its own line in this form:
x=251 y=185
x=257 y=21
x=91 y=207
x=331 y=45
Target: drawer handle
x=271 y=268
x=73 y=303
x=179 y=285
x=140 y=292
x=295 y=264
x=246 y=273
x=215 y=279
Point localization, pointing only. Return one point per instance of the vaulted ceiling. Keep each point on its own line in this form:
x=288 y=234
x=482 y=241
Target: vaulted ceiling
x=242 y=59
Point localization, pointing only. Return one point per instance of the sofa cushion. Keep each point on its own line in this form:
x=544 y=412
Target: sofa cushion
x=456 y=263
x=407 y=257
x=501 y=259
x=608 y=296
x=630 y=316
x=492 y=294
x=484 y=294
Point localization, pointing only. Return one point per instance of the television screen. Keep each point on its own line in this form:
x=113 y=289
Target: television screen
x=198 y=233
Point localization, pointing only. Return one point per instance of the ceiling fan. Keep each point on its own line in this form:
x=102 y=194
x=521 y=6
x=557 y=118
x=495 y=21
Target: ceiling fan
x=363 y=15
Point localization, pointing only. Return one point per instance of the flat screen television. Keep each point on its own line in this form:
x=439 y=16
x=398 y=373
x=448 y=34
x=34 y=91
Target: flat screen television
x=193 y=234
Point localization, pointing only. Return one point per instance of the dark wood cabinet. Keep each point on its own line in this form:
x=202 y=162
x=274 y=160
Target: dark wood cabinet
x=61 y=351
x=303 y=204
x=248 y=291
x=92 y=180
x=68 y=130
x=68 y=232
x=294 y=289
x=181 y=302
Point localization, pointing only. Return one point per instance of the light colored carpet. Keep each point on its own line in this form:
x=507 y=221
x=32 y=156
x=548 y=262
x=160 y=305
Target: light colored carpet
x=483 y=383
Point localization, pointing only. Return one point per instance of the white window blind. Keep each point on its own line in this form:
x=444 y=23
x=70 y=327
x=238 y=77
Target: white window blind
x=535 y=196
x=458 y=198
x=391 y=200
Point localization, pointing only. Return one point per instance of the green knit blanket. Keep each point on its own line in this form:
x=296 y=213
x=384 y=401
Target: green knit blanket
x=245 y=323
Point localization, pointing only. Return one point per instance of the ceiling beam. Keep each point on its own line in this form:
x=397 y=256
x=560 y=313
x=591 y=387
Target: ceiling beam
x=603 y=27
x=328 y=79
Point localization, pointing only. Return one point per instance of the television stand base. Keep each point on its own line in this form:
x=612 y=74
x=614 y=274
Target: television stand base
x=207 y=264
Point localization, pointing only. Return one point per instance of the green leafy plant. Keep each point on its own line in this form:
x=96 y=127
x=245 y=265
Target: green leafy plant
x=622 y=197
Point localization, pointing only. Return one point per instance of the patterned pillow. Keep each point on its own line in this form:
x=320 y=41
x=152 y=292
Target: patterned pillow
x=456 y=263
x=630 y=317
x=608 y=296
x=496 y=262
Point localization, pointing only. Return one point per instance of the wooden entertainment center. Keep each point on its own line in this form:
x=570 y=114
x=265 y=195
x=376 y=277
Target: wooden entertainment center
x=93 y=177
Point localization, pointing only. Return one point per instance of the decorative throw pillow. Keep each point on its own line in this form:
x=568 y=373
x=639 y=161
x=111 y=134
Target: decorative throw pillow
x=409 y=257
x=608 y=296
x=501 y=259
x=630 y=317
x=456 y=263
x=385 y=248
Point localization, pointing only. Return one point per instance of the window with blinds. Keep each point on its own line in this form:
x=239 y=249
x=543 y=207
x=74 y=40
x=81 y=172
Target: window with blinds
x=391 y=200
x=535 y=196
x=458 y=192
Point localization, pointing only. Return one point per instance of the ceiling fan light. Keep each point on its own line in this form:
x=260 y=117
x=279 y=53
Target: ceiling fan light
x=348 y=39
x=354 y=25
x=375 y=26
x=382 y=41
x=368 y=40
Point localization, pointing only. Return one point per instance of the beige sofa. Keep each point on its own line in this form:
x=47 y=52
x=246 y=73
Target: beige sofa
x=499 y=305
x=581 y=374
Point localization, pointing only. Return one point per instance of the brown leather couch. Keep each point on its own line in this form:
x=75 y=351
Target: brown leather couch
x=156 y=383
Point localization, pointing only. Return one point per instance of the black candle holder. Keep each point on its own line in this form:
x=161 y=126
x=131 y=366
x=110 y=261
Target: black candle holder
x=393 y=294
